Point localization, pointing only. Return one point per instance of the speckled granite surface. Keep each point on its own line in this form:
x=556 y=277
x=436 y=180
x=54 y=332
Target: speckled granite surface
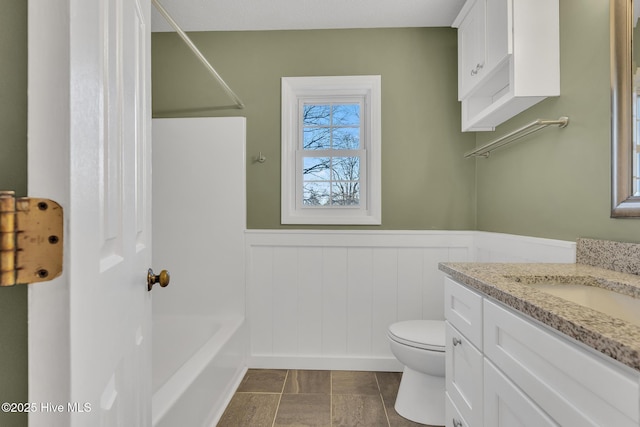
x=618 y=256
x=612 y=336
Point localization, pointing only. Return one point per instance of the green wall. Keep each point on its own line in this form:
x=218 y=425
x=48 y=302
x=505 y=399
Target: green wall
x=13 y=176
x=556 y=183
x=426 y=184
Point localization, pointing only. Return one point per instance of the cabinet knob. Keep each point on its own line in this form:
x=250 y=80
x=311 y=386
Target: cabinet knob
x=456 y=341
x=457 y=423
x=477 y=69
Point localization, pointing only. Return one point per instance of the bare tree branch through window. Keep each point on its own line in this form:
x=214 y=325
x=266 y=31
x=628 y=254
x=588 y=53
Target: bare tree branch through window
x=331 y=171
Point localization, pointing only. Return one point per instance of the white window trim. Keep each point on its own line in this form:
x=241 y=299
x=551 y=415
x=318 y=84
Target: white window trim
x=293 y=90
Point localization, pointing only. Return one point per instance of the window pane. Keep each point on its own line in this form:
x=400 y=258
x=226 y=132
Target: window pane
x=346 y=138
x=345 y=168
x=316 y=168
x=317 y=139
x=330 y=180
x=316 y=115
x=346 y=114
x=345 y=193
x=316 y=193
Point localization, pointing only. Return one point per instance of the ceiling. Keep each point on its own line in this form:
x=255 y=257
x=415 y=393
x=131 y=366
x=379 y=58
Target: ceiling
x=235 y=15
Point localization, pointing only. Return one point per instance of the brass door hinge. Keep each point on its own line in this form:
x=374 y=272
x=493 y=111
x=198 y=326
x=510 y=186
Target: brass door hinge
x=30 y=239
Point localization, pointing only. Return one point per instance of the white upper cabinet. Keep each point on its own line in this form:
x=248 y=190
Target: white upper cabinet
x=508 y=58
x=484 y=41
x=471 y=48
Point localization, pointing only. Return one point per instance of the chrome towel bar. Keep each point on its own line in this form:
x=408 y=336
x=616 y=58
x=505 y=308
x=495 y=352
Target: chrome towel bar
x=532 y=127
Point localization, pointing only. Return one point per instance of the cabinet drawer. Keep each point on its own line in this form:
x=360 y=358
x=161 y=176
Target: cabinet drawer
x=452 y=415
x=572 y=385
x=463 y=309
x=507 y=406
x=464 y=375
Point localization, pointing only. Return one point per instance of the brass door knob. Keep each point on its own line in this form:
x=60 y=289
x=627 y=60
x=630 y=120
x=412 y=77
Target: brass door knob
x=163 y=279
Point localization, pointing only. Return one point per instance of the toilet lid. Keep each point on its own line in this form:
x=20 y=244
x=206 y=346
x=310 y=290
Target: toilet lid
x=426 y=334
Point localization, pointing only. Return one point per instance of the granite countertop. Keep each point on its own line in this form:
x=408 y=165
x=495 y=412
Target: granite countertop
x=614 y=337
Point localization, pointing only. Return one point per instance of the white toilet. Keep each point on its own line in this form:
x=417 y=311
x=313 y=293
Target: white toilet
x=419 y=346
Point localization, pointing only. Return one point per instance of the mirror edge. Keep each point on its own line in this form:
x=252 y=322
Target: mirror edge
x=624 y=204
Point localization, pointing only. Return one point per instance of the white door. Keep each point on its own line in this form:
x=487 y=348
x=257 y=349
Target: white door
x=89 y=149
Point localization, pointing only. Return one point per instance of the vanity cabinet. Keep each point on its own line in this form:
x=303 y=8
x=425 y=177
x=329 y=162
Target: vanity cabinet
x=528 y=373
x=463 y=362
x=508 y=58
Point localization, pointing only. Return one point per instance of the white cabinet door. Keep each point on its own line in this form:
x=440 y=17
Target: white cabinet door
x=464 y=375
x=471 y=48
x=498 y=32
x=507 y=406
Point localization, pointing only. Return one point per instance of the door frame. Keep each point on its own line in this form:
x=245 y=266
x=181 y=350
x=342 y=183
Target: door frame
x=48 y=124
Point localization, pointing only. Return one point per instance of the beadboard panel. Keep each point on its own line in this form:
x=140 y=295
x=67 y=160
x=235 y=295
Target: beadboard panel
x=498 y=247
x=324 y=299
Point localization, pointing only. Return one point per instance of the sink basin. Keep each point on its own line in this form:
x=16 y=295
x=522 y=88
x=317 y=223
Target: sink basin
x=582 y=291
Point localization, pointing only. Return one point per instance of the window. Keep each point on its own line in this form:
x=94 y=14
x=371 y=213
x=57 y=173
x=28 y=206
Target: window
x=331 y=150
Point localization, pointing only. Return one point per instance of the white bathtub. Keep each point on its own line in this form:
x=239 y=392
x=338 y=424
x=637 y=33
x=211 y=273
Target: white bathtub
x=200 y=340
x=198 y=362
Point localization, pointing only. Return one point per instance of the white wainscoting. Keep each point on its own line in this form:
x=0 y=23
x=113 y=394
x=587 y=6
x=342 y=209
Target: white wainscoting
x=324 y=299
x=498 y=247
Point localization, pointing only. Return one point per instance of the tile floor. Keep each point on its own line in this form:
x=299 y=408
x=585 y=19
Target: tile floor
x=275 y=397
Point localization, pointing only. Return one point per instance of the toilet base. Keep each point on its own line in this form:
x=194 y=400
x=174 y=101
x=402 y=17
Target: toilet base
x=421 y=398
